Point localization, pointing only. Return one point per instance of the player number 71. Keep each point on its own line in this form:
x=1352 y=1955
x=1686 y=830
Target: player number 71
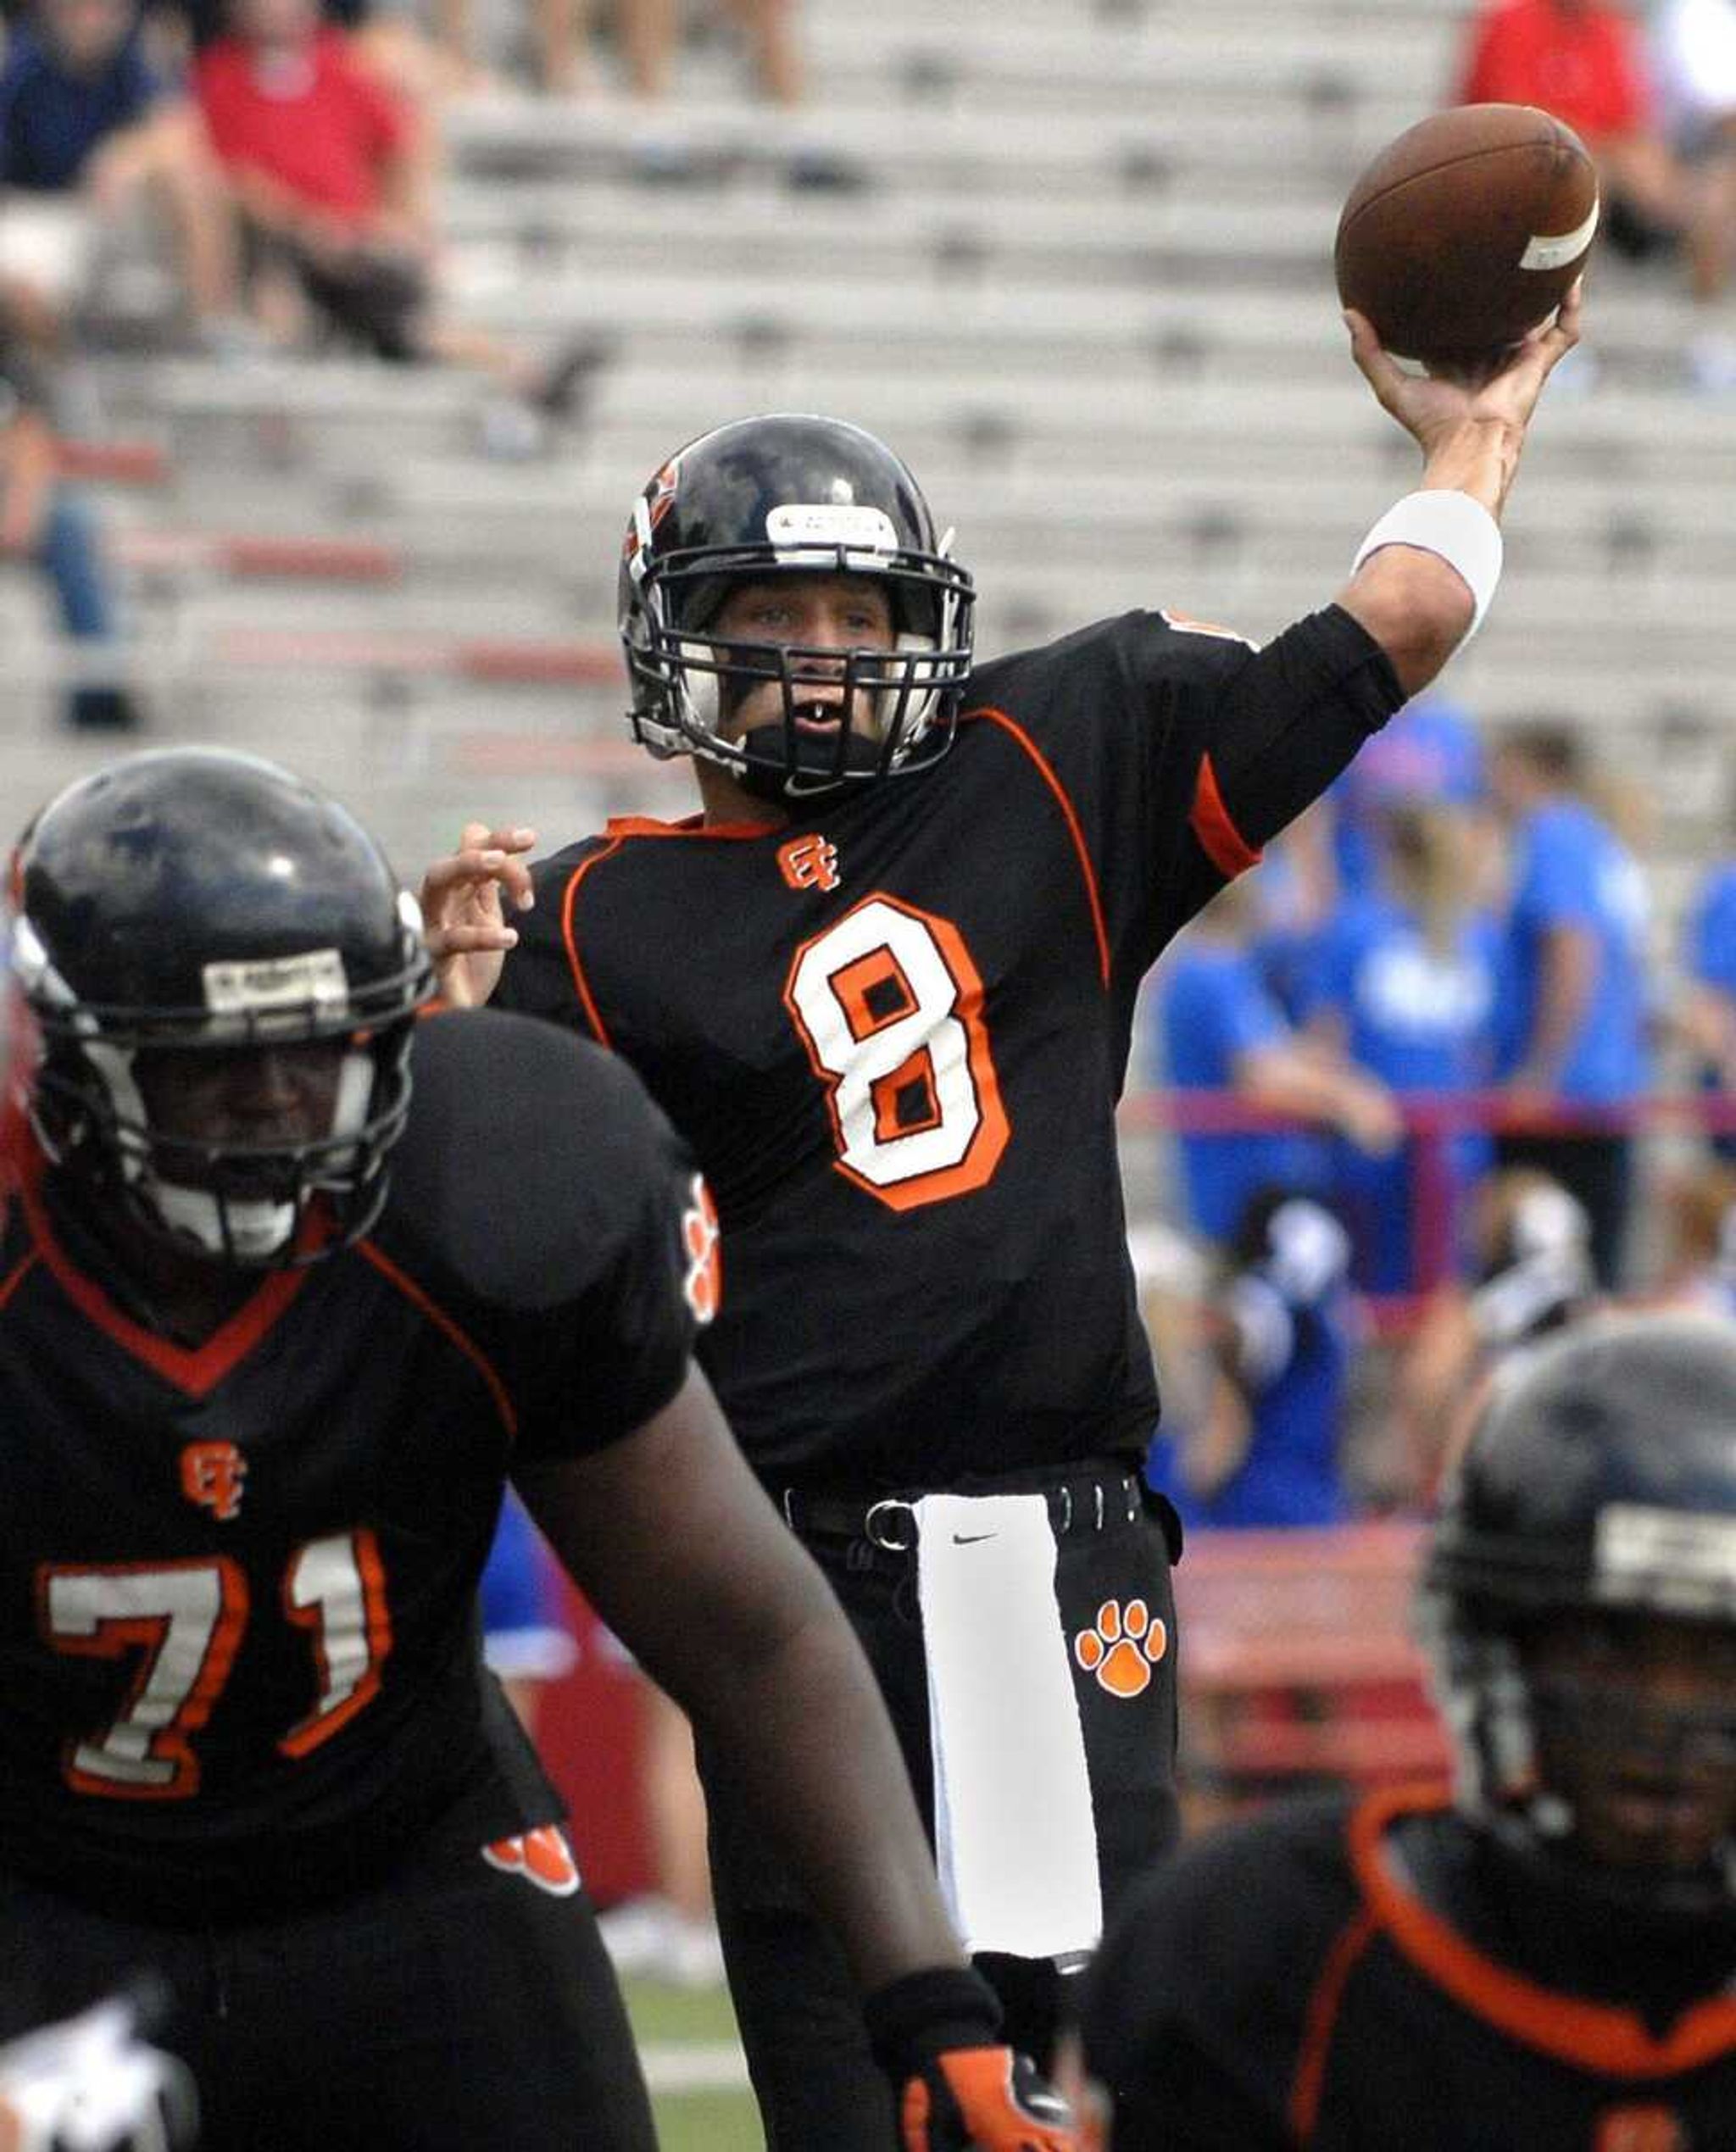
x=187 y=1618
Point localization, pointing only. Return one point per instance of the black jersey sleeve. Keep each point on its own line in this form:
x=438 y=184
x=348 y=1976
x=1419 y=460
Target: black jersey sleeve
x=1180 y=749
x=541 y=1182
x=1286 y=723
x=541 y=976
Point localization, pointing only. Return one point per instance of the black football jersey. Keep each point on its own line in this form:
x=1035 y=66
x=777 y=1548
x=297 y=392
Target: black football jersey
x=1281 y=1986
x=237 y=1583
x=895 y=1030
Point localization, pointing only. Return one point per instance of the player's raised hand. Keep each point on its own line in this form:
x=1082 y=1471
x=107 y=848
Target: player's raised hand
x=983 y=2099
x=1502 y=390
x=464 y=915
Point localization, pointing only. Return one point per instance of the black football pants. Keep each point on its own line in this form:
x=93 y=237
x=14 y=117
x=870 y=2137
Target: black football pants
x=465 y=2009
x=795 y=1999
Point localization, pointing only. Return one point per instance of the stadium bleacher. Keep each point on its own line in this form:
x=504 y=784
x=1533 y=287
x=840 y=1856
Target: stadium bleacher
x=1072 y=258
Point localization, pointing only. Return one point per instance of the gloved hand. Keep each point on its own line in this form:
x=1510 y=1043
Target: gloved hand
x=91 y=2084
x=985 y=2098
x=937 y=2035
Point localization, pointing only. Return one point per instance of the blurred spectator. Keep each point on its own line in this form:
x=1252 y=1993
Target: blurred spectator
x=1700 y=1259
x=1584 y=61
x=1570 y=1014
x=408 y=60
x=1707 y=1014
x=1531 y=1257
x=646 y=33
x=1220 y=1030
x=649 y=29
x=85 y=128
x=1428 y=754
x=1693 y=51
x=1265 y=1451
x=1171 y=1274
x=332 y=175
x=1404 y=985
x=47 y=523
x=1294 y=891
x=525 y=1641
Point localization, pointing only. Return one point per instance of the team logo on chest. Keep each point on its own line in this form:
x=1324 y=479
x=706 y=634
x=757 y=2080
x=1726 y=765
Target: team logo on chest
x=809 y=863
x=211 y=1476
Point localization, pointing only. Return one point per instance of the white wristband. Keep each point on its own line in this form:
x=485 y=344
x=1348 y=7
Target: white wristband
x=1453 y=526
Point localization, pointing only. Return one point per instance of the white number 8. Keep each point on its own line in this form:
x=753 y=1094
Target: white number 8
x=889 y=1006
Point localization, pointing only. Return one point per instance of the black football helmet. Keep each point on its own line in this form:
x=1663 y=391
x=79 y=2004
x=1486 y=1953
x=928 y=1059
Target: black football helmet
x=192 y=900
x=1599 y=1481
x=789 y=495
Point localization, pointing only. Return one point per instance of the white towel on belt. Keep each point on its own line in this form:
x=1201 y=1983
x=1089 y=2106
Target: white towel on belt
x=1014 y=1836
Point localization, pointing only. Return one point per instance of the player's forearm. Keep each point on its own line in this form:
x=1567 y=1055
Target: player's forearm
x=805 y=1734
x=1479 y=456
x=688 y=1563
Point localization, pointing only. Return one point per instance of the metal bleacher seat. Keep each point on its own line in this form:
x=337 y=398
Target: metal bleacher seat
x=1071 y=256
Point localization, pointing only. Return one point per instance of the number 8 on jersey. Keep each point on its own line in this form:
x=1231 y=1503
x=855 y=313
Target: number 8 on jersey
x=889 y=1005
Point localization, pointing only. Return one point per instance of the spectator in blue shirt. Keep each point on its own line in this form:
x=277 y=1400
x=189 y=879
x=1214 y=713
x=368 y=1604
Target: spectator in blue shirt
x=1402 y=983
x=1219 y=1031
x=86 y=126
x=1267 y=1451
x=1570 y=1023
x=1708 y=1013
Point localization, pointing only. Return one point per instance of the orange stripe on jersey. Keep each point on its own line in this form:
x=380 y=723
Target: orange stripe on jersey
x=10 y=1285
x=197 y=1372
x=1598 y=2037
x=1088 y=873
x=443 y=1322
x=1221 y=841
x=1323 y=2004
x=580 y=984
x=690 y=826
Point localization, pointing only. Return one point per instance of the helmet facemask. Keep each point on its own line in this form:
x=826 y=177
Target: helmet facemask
x=687 y=681
x=1529 y=1740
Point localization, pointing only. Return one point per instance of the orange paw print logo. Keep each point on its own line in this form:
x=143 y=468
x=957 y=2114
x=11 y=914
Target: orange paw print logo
x=1121 y=1646
x=541 y=1857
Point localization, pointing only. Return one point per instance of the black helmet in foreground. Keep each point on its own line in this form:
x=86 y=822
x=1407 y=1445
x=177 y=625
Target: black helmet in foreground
x=1596 y=1498
x=193 y=901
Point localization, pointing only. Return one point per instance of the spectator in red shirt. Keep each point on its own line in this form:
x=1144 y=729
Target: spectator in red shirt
x=1583 y=61
x=332 y=174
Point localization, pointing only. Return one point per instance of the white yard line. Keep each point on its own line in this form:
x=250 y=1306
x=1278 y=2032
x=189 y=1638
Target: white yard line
x=683 y=2066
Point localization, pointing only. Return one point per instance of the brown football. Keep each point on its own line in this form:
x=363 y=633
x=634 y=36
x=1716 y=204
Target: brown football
x=1467 y=231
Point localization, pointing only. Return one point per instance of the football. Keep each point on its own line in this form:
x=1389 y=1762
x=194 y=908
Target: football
x=1467 y=231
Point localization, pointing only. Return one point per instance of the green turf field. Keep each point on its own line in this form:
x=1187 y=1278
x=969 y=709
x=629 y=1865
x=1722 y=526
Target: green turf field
x=688 y=2041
